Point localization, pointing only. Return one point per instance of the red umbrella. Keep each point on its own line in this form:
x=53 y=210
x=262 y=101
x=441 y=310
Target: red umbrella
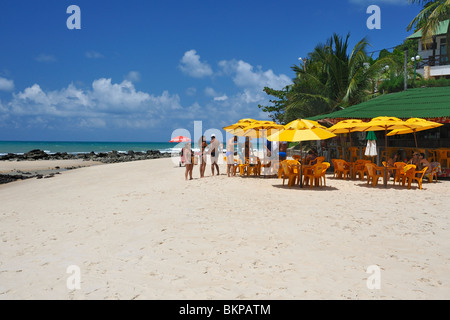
x=180 y=139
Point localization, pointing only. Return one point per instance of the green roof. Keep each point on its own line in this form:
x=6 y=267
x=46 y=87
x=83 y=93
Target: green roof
x=413 y=103
x=442 y=29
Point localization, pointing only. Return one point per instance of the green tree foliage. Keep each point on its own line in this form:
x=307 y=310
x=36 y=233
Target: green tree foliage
x=428 y=19
x=329 y=79
x=278 y=107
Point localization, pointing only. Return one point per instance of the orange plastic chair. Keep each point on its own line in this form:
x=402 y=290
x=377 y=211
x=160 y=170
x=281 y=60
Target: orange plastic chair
x=295 y=166
x=243 y=167
x=333 y=161
x=288 y=173
x=372 y=174
x=254 y=167
x=399 y=172
x=409 y=171
x=278 y=168
x=327 y=165
x=320 y=160
x=360 y=168
x=315 y=175
x=416 y=178
x=342 y=168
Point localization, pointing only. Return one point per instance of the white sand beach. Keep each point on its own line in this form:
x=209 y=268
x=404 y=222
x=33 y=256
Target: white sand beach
x=138 y=230
x=43 y=165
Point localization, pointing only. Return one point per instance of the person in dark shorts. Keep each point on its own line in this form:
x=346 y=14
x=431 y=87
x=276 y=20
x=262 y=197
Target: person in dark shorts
x=214 y=152
x=202 y=161
x=283 y=150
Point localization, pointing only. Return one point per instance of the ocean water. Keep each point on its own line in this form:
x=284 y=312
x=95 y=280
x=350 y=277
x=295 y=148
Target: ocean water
x=20 y=147
x=75 y=147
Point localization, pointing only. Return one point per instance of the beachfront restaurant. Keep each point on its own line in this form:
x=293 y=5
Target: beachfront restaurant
x=432 y=104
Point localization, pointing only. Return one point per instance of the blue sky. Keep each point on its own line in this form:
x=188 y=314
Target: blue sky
x=139 y=69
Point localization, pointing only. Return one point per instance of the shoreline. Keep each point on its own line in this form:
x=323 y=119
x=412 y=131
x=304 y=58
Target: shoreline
x=11 y=170
x=105 y=157
x=39 y=164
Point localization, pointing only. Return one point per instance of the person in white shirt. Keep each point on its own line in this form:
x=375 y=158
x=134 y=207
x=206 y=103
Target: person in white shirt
x=230 y=155
x=213 y=150
x=188 y=160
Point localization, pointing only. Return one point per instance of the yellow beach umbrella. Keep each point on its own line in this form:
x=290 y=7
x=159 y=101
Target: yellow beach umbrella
x=260 y=128
x=424 y=125
x=237 y=128
x=302 y=130
x=240 y=128
x=386 y=124
x=346 y=126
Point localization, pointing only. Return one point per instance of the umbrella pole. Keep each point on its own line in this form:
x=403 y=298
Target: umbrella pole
x=415 y=139
x=264 y=154
x=350 y=135
x=385 y=151
x=349 y=148
x=301 y=166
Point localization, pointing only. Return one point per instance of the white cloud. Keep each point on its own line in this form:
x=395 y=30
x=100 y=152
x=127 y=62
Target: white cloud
x=245 y=76
x=191 y=91
x=104 y=104
x=133 y=76
x=221 y=98
x=114 y=96
x=6 y=85
x=43 y=57
x=232 y=105
x=191 y=65
x=93 y=55
x=210 y=92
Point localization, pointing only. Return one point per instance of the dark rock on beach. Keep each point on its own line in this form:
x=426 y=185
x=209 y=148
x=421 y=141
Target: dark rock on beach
x=110 y=157
x=36 y=155
x=6 y=178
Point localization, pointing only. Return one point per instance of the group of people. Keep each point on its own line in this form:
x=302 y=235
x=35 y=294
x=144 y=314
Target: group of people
x=233 y=148
x=418 y=159
x=213 y=149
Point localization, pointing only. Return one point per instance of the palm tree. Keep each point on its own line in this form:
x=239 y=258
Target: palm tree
x=331 y=78
x=433 y=12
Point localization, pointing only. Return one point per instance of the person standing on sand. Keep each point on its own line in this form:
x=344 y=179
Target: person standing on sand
x=230 y=156
x=202 y=165
x=213 y=150
x=188 y=160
